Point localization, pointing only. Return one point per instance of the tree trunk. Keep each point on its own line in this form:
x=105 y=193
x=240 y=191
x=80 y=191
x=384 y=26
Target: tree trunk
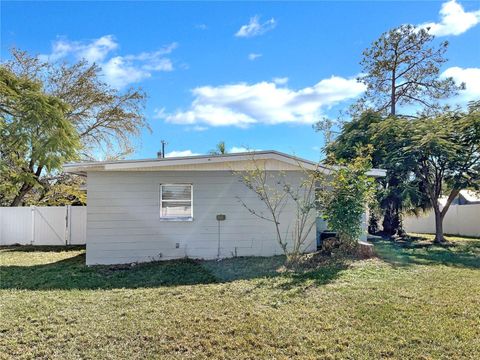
x=26 y=187
x=440 y=215
x=21 y=194
x=392 y=95
x=439 y=238
x=391 y=219
x=388 y=221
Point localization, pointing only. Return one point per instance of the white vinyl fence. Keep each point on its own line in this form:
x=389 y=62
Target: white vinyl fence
x=52 y=225
x=459 y=220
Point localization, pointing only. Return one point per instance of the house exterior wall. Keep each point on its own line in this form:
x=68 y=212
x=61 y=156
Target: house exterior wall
x=124 y=225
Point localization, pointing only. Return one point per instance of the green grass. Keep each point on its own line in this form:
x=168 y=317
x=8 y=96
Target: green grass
x=415 y=301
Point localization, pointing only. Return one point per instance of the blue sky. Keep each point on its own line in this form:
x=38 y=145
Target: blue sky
x=255 y=75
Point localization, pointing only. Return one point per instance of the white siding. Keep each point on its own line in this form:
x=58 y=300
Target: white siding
x=123 y=223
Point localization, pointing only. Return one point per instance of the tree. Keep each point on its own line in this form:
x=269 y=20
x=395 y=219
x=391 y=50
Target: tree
x=35 y=135
x=344 y=200
x=106 y=119
x=402 y=67
x=220 y=149
x=443 y=153
x=59 y=190
x=399 y=192
x=277 y=190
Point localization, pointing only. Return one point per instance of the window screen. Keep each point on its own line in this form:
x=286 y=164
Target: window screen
x=176 y=201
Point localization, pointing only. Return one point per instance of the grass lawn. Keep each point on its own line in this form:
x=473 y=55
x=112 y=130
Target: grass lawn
x=415 y=301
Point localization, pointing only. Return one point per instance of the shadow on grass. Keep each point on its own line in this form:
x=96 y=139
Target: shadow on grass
x=421 y=251
x=72 y=273
x=323 y=275
x=40 y=248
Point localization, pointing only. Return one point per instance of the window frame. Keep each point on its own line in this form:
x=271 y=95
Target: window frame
x=176 y=218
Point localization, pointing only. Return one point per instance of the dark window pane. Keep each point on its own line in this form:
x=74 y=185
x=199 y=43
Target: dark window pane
x=176 y=192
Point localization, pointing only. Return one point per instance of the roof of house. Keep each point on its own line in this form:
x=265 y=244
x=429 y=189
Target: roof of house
x=271 y=160
x=470 y=196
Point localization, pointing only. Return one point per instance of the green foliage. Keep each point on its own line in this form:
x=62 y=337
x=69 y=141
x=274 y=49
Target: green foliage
x=34 y=135
x=62 y=189
x=346 y=198
x=402 y=67
x=398 y=191
x=220 y=149
x=105 y=119
x=442 y=152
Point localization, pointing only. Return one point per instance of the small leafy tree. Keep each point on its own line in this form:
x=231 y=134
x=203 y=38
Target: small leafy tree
x=346 y=198
x=443 y=153
x=277 y=190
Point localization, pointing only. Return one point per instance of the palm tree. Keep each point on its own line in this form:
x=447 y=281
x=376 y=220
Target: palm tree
x=220 y=149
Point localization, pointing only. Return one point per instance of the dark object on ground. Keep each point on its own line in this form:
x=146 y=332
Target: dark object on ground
x=329 y=244
x=324 y=235
x=365 y=250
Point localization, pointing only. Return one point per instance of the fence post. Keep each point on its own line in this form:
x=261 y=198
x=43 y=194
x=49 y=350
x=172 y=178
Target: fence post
x=32 y=240
x=1 y=226
x=68 y=225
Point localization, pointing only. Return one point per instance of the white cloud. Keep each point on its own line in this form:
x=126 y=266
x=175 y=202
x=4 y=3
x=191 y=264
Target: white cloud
x=93 y=51
x=241 y=149
x=244 y=104
x=98 y=49
x=180 y=153
x=119 y=71
x=253 y=56
x=280 y=80
x=255 y=28
x=454 y=20
x=470 y=77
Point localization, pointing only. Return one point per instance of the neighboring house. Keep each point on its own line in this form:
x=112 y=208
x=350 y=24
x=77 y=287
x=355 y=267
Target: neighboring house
x=465 y=197
x=168 y=208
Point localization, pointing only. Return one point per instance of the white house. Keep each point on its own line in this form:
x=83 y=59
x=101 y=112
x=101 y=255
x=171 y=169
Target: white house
x=167 y=208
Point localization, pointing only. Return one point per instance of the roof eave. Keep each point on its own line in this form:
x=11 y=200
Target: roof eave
x=132 y=165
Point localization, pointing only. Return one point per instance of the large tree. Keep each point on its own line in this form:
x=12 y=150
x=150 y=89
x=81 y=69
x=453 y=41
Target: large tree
x=402 y=67
x=106 y=119
x=35 y=136
x=443 y=153
x=399 y=192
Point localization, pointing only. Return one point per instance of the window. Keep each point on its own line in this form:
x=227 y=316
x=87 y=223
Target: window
x=176 y=202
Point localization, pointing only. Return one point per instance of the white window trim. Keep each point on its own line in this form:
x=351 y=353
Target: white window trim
x=178 y=218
